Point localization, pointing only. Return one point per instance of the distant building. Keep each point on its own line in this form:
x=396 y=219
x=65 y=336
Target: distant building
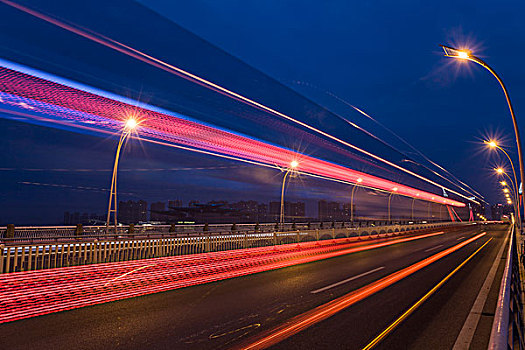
x=175 y=203
x=333 y=211
x=131 y=212
x=293 y=211
x=83 y=218
x=156 y=210
x=193 y=203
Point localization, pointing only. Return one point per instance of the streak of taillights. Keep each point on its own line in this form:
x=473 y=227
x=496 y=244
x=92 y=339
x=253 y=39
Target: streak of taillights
x=34 y=293
x=322 y=312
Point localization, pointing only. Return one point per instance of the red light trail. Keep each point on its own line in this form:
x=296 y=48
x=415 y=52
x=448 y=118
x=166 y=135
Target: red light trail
x=94 y=111
x=139 y=55
x=329 y=309
x=33 y=293
x=153 y=61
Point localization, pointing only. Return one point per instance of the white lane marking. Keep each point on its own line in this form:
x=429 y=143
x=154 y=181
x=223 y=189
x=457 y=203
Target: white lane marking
x=466 y=334
x=436 y=247
x=346 y=280
x=460 y=238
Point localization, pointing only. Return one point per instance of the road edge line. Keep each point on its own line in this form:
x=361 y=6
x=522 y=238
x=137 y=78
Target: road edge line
x=466 y=334
x=407 y=313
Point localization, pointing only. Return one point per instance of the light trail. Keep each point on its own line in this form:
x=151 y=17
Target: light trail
x=139 y=55
x=322 y=312
x=76 y=107
x=414 y=307
x=33 y=293
x=475 y=193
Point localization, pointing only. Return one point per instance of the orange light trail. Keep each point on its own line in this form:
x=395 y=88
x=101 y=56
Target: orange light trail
x=322 y=312
x=33 y=293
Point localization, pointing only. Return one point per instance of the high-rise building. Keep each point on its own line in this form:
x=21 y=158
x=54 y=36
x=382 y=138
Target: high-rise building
x=333 y=211
x=84 y=219
x=177 y=203
x=292 y=211
x=131 y=212
x=328 y=211
x=156 y=210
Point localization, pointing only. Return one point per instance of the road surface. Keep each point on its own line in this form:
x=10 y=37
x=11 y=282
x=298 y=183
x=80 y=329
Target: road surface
x=235 y=312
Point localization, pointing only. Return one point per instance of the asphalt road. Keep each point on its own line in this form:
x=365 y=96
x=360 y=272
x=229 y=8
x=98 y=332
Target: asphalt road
x=220 y=315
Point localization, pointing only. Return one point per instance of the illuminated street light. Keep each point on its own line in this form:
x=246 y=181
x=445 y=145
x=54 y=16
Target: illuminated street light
x=503 y=183
x=501 y=171
x=359 y=180
x=394 y=190
x=467 y=55
x=130 y=125
x=494 y=145
x=293 y=165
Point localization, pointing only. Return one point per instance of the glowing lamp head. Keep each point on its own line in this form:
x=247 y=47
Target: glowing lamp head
x=503 y=183
x=500 y=170
x=506 y=190
x=463 y=55
x=455 y=53
x=395 y=189
x=131 y=124
x=359 y=180
x=492 y=144
x=294 y=164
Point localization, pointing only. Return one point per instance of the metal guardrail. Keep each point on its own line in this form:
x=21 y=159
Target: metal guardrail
x=33 y=234
x=25 y=257
x=507 y=328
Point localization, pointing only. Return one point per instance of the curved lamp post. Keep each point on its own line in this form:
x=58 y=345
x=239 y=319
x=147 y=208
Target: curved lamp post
x=293 y=165
x=493 y=144
x=501 y=171
x=130 y=125
x=514 y=192
x=359 y=180
x=467 y=55
x=394 y=190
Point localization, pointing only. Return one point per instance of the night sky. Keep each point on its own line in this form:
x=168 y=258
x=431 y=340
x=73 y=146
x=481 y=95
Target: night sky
x=380 y=56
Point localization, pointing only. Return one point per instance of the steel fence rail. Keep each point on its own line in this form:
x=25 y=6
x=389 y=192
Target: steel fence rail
x=30 y=234
x=25 y=257
x=507 y=328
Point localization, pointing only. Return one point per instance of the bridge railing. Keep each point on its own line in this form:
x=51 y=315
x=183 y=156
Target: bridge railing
x=33 y=234
x=36 y=256
x=507 y=328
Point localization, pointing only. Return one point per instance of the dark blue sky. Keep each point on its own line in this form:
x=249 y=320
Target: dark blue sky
x=380 y=56
x=383 y=56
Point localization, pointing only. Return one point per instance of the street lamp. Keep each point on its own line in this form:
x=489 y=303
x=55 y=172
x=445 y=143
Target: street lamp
x=130 y=125
x=508 y=192
x=394 y=190
x=293 y=165
x=501 y=171
x=359 y=180
x=429 y=205
x=467 y=55
x=494 y=145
